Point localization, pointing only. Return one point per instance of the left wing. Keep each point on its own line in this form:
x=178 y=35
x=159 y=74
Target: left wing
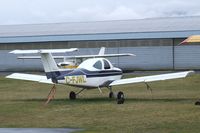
x=30 y=77
x=146 y=79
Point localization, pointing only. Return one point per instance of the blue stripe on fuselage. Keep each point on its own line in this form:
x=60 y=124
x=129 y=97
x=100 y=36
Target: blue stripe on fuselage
x=89 y=74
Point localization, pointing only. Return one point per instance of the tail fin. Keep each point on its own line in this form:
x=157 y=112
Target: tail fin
x=102 y=51
x=49 y=64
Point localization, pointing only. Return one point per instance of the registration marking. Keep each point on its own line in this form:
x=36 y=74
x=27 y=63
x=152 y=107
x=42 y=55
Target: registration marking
x=78 y=79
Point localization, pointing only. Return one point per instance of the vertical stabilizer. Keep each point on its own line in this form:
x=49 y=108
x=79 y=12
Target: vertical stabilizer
x=102 y=51
x=48 y=62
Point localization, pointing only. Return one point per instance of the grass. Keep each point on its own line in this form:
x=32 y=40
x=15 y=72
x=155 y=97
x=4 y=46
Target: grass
x=169 y=109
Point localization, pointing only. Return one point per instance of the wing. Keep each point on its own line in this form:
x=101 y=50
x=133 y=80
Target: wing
x=146 y=79
x=30 y=77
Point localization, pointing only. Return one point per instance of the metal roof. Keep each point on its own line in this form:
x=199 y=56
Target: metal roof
x=101 y=30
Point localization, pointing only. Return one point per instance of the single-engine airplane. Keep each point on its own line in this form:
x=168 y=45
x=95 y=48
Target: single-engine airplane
x=90 y=74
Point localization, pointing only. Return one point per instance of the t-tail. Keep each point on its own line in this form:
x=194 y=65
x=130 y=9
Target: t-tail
x=49 y=64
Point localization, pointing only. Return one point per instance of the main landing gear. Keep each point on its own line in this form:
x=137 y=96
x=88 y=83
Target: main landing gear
x=119 y=96
x=197 y=102
x=72 y=94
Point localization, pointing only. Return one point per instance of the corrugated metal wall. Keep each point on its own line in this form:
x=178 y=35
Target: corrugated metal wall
x=187 y=57
x=147 y=58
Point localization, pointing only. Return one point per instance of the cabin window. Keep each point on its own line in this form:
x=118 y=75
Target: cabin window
x=106 y=64
x=98 y=65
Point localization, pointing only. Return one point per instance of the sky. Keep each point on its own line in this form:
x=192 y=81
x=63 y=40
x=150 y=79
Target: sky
x=56 y=11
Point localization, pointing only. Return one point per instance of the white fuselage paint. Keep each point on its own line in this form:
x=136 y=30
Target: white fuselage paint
x=96 y=77
x=91 y=82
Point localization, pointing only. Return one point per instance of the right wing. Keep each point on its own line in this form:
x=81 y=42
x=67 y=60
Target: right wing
x=147 y=79
x=30 y=77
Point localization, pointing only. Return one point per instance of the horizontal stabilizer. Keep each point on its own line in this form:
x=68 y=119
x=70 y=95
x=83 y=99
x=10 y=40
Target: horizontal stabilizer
x=146 y=79
x=79 y=56
x=99 y=56
x=43 y=51
x=38 y=57
x=30 y=77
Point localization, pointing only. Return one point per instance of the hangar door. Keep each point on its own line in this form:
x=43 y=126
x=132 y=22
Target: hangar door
x=187 y=57
x=147 y=58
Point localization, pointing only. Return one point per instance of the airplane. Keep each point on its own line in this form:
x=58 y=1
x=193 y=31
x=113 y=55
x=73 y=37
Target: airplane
x=93 y=73
x=191 y=39
x=194 y=39
x=72 y=62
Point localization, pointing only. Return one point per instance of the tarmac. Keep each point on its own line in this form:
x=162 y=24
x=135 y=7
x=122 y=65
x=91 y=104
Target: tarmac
x=37 y=130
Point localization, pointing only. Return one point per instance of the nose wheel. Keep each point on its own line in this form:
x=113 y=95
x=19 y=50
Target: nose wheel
x=120 y=96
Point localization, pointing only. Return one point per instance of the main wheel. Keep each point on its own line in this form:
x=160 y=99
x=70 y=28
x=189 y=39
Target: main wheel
x=111 y=94
x=120 y=98
x=72 y=95
x=197 y=102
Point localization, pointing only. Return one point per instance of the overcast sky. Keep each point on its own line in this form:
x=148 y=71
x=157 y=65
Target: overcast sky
x=52 y=11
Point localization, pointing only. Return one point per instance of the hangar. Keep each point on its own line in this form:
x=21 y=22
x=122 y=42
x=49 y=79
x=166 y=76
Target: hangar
x=154 y=41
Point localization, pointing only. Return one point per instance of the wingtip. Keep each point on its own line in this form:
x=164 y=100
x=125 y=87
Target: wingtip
x=191 y=72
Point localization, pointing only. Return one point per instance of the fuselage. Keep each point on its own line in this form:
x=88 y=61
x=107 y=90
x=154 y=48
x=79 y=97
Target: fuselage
x=92 y=73
x=90 y=79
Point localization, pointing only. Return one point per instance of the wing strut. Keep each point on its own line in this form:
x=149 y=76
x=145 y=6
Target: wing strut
x=149 y=88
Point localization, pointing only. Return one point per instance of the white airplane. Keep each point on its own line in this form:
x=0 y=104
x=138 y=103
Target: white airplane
x=72 y=62
x=90 y=74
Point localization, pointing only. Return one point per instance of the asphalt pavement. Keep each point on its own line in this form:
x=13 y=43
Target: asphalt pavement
x=37 y=130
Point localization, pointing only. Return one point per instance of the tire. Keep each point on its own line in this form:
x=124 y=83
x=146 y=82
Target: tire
x=197 y=102
x=120 y=98
x=111 y=95
x=72 y=95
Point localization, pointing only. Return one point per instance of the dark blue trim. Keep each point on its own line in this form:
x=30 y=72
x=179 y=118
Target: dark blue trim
x=59 y=75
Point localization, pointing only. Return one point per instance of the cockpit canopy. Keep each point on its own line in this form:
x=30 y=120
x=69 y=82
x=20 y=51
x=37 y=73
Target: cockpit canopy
x=96 y=64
